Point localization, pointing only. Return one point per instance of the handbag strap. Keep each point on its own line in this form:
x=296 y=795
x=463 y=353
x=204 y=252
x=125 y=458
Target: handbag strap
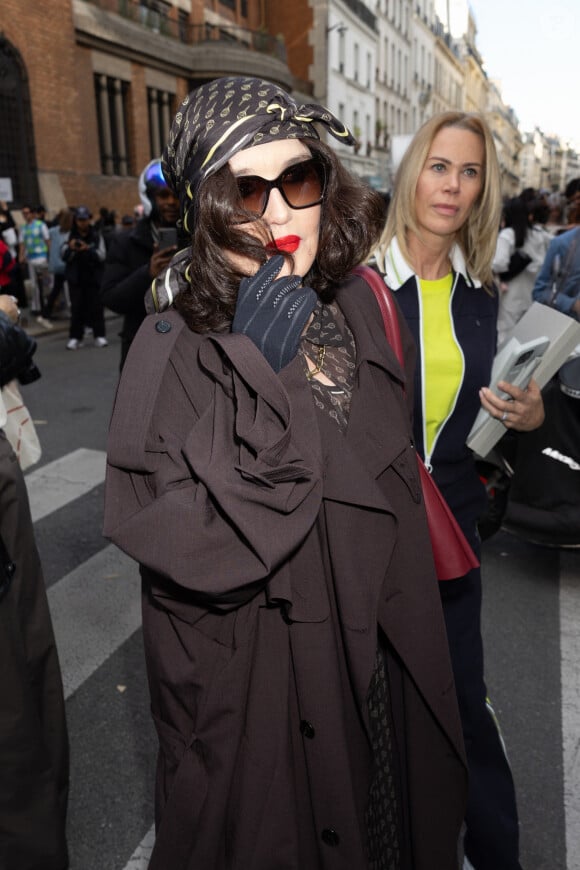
x=386 y=302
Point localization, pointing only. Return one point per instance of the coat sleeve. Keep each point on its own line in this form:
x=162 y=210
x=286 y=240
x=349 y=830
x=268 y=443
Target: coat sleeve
x=504 y=249
x=223 y=492
x=542 y=292
x=123 y=286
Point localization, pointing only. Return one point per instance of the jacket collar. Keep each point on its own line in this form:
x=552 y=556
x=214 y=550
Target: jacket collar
x=398 y=271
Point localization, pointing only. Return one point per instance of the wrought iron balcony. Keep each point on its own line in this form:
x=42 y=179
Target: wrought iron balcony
x=156 y=18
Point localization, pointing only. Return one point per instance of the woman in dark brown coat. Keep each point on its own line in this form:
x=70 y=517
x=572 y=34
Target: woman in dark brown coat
x=34 y=752
x=262 y=472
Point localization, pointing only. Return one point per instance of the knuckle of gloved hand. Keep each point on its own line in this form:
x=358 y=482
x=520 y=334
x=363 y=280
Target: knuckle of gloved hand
x=281 y=295
x=296 y=305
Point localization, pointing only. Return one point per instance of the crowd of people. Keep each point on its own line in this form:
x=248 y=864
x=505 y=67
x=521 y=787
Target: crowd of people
x=111 y=263
x=78 y=266
x=305 y=664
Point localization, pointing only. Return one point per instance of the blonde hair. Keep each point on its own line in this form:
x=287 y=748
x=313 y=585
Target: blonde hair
x=477 y=237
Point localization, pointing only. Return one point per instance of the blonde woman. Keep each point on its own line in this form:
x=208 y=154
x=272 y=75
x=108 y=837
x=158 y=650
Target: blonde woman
x=436 y=253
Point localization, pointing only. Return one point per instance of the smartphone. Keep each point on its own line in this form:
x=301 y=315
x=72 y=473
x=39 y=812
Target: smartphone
x=516 y=363
x=167 y=237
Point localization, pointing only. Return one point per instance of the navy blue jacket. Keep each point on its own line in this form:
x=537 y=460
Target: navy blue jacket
x=474 y=319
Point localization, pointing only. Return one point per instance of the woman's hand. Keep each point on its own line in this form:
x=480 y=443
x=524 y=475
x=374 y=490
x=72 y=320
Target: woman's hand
x=273 y=311
x=8 y=305
x=161 y=259
x=523 y=411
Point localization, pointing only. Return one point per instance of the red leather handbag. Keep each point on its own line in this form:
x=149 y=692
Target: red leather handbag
x=451 y=552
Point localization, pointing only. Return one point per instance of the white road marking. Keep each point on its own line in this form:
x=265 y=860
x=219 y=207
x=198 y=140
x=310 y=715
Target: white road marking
x=94 y=610
x=96 y=607
x=139 y=860
x=57 y=483
x=570 y=677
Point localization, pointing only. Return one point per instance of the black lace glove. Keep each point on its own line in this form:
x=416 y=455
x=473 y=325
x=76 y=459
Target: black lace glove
x=273 y=312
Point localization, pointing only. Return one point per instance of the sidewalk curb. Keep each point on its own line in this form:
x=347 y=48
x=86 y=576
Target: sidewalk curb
x=60 y=325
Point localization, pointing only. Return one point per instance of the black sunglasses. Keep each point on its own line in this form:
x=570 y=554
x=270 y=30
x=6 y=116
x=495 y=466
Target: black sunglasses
x=301 y=185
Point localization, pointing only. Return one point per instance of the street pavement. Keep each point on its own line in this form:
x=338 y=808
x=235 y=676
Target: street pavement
x=531 y=624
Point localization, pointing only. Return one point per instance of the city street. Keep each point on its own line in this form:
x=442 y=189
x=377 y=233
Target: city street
x=531 y=630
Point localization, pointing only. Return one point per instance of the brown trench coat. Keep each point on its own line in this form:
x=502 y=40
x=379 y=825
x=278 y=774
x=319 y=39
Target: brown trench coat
x=270 y=545
x=34 y=752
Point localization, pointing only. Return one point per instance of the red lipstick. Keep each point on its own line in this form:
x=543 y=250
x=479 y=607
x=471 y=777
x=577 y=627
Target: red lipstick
x=288 y=244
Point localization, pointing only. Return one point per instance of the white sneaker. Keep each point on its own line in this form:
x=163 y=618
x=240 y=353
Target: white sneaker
x=42 y=321
x=101 y=341
x=73 y=344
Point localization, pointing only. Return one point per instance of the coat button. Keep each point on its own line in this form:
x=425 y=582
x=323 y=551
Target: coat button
x=307 y=729
x=163 y=326
x=330 y=837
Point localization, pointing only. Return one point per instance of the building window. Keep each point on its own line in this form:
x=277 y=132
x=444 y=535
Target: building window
x=160 y=108
x=155 y=14
x=183 y=25
x=111 y=101
x=399 y=71
x=341 y=50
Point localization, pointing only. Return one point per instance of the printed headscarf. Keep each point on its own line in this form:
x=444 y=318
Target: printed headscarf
x=225 y=116
x=214 y=122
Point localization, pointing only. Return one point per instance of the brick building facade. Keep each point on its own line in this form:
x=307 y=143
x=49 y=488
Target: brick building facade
x=88 y=89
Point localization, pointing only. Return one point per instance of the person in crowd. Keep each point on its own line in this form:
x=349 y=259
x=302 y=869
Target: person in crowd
x=261 y=470
x=34 y=764
x=572 y=194
x=436 y=254
x=106 y=225
x=127 y=222
x=136 y=257
x=557 y=205
x=34 y=245
x=558 y=281
x=521 y=248
x=84 y=255
x=8 y=230
x=7 y=264
x=529 y=195
x=59 y=234
x=9 y=234
x=40 y=213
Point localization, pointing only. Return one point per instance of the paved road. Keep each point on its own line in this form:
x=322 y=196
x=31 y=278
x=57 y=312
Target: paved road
x=531 y=627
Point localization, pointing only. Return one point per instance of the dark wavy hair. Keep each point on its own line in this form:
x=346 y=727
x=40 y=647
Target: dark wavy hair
x=351 y=222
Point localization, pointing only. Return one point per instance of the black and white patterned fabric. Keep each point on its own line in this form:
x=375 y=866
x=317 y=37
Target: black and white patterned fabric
x=227 y=115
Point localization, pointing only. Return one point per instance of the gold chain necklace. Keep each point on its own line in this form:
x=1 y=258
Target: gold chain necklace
x=319 y=363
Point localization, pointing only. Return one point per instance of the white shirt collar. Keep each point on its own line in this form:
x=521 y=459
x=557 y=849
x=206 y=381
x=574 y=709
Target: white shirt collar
x=397 y=270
